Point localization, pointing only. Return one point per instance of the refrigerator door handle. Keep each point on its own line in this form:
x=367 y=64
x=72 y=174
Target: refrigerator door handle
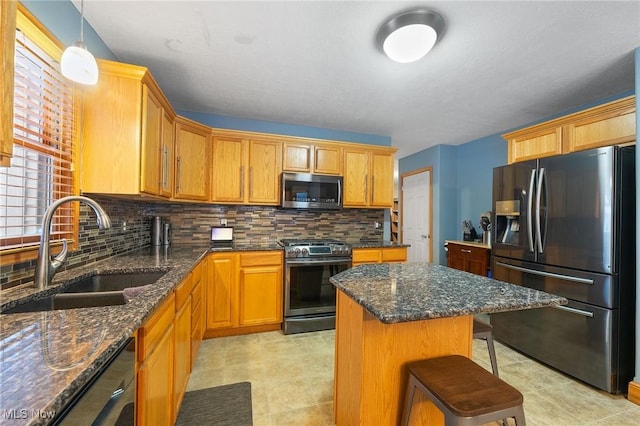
x=547 y=274
x=573 y=310
x=538 y=199
x=530 y=209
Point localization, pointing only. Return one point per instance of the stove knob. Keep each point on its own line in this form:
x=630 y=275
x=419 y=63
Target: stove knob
x=297 y=251
x=305 y=252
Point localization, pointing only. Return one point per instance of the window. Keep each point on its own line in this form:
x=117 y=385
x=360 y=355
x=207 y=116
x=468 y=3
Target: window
x=41 y=168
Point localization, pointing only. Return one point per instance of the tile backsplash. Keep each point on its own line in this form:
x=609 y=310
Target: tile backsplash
x=131 y=220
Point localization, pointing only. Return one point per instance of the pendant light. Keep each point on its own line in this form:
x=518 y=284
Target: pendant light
x=410 y=35
x=77 y=63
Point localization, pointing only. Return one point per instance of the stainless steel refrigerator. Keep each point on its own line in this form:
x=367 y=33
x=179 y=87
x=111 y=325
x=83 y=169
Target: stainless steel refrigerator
x=566 y=225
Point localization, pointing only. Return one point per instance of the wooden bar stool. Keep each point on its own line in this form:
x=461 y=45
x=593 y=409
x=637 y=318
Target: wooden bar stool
x=465 y=392
x=482 y=330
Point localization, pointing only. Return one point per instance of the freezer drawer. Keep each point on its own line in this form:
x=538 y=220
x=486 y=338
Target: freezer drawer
x=578 y=339
x=588 y=287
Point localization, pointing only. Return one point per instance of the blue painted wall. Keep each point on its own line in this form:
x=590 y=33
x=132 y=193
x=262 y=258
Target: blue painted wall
x=244 y=124
x=462 y=179
x=63 y=20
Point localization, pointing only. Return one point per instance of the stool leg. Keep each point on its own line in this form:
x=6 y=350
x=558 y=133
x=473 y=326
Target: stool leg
x=492 y=354
x=520 y=417
x=408 y=400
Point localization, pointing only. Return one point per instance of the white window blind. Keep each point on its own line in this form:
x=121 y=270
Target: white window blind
x=41 y=166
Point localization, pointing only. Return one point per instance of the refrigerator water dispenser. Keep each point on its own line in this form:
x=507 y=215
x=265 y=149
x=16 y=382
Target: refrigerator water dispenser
x=507 y=226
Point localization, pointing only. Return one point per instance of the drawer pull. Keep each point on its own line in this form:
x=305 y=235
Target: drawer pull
x=465 y=251
x=574 y=311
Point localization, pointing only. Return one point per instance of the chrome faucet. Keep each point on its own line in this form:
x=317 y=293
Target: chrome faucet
x=47 y=268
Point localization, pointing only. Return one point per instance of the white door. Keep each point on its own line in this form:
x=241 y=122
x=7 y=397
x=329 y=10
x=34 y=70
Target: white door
x=416 y=215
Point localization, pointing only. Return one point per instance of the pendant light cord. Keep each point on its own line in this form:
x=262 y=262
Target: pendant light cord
x=82 y=21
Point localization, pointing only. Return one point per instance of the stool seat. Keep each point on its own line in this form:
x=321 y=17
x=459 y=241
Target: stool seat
x=464 y=391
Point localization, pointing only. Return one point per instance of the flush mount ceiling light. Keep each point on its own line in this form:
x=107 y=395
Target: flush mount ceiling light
x=410 y=35
x=77 y=63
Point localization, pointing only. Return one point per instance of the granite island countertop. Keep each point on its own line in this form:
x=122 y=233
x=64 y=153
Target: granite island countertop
x=413 y=291
x=47 y=357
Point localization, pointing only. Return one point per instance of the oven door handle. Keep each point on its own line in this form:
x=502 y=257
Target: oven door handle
x=309 y=262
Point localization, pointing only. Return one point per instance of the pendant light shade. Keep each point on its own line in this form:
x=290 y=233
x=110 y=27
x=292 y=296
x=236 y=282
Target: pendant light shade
x=77 y=63
x=410 y=35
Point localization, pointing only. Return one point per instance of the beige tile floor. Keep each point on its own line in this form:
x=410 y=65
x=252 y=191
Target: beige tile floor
x=292 y=381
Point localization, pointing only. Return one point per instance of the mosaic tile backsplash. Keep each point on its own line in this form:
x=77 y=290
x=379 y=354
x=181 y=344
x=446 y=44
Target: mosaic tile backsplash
x=191 y=223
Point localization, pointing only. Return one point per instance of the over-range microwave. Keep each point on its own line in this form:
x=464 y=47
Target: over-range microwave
x=309 y=191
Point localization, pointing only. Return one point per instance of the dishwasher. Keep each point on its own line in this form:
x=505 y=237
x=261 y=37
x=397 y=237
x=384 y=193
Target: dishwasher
x=108 y=399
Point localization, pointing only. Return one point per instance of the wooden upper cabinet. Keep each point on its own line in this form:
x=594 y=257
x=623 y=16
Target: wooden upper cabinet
x=192 y=148
x=227 y=178
x=297 y=157
x=608 y=124
x=123 y=132
x=166 y=154
x=381 y=180
x=543 y=142
x=368 y=178
x=8 y=32
x=312 y=158
x=265 y=166
x=356 y=178
x=151 y=142
x=245 y=171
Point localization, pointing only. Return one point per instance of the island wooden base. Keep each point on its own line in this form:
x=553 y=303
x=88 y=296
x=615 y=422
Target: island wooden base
x=634 y=392
x=370 y=377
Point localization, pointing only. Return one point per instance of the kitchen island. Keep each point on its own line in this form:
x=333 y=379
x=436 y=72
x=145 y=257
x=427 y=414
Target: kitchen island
x=391 y=314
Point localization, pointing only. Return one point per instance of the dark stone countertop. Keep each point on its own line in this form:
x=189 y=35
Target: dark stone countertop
x=384 y=244
x=401 y=292
x=46 y=357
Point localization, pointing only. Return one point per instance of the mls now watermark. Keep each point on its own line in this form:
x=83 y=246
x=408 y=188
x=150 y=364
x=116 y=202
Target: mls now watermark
x=22 y=414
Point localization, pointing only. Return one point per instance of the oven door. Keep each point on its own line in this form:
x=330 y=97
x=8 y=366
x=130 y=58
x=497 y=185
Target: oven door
x=307 y=289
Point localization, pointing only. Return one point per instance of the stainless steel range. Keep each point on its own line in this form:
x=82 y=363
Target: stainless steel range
x=309 y=297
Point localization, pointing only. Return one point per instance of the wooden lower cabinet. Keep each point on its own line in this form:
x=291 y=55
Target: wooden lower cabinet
x=167 y=345
x=362 y=256
x=243 y=292
x=468 y=258
x=154 y=380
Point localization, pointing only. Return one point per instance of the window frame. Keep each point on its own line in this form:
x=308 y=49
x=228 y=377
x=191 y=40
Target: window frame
x=45 y=40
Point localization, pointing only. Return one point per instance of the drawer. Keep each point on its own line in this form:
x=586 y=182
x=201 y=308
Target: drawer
x=152 y=331
x=261 y=258
x=196 y=294
x=182 y=291
x=366 y=255
x=394 y=254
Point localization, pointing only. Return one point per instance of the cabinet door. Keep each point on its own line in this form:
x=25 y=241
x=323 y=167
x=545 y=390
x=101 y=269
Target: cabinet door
x=222 y=291
x=192 y=163
x=227 y=179
x=381 y=180
x=182 y=363
x=327 y=160
x=260 y=295
x=615 y=124
x=296 y=157
x=152 y=115
x=455 y=260
x=356 y=178
x=166 y=155
x=265 y=166
x=398 y=254
x=155 y=384
x=8 y=32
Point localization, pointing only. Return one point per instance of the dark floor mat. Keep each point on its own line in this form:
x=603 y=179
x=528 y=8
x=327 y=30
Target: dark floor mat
x=228 y=405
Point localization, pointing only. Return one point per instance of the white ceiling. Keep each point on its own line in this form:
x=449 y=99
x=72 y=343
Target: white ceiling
x=499 y=65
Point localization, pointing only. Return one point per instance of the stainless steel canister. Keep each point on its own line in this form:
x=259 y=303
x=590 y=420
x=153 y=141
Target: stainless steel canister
x=156 y=231
x=166 y=239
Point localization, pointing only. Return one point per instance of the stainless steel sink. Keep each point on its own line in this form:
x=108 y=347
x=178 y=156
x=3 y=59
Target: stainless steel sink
x=97 y=290
x=69 y=301
x=112 y=282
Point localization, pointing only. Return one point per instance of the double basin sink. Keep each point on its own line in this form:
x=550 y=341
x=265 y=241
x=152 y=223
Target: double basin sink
x=96 y=290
